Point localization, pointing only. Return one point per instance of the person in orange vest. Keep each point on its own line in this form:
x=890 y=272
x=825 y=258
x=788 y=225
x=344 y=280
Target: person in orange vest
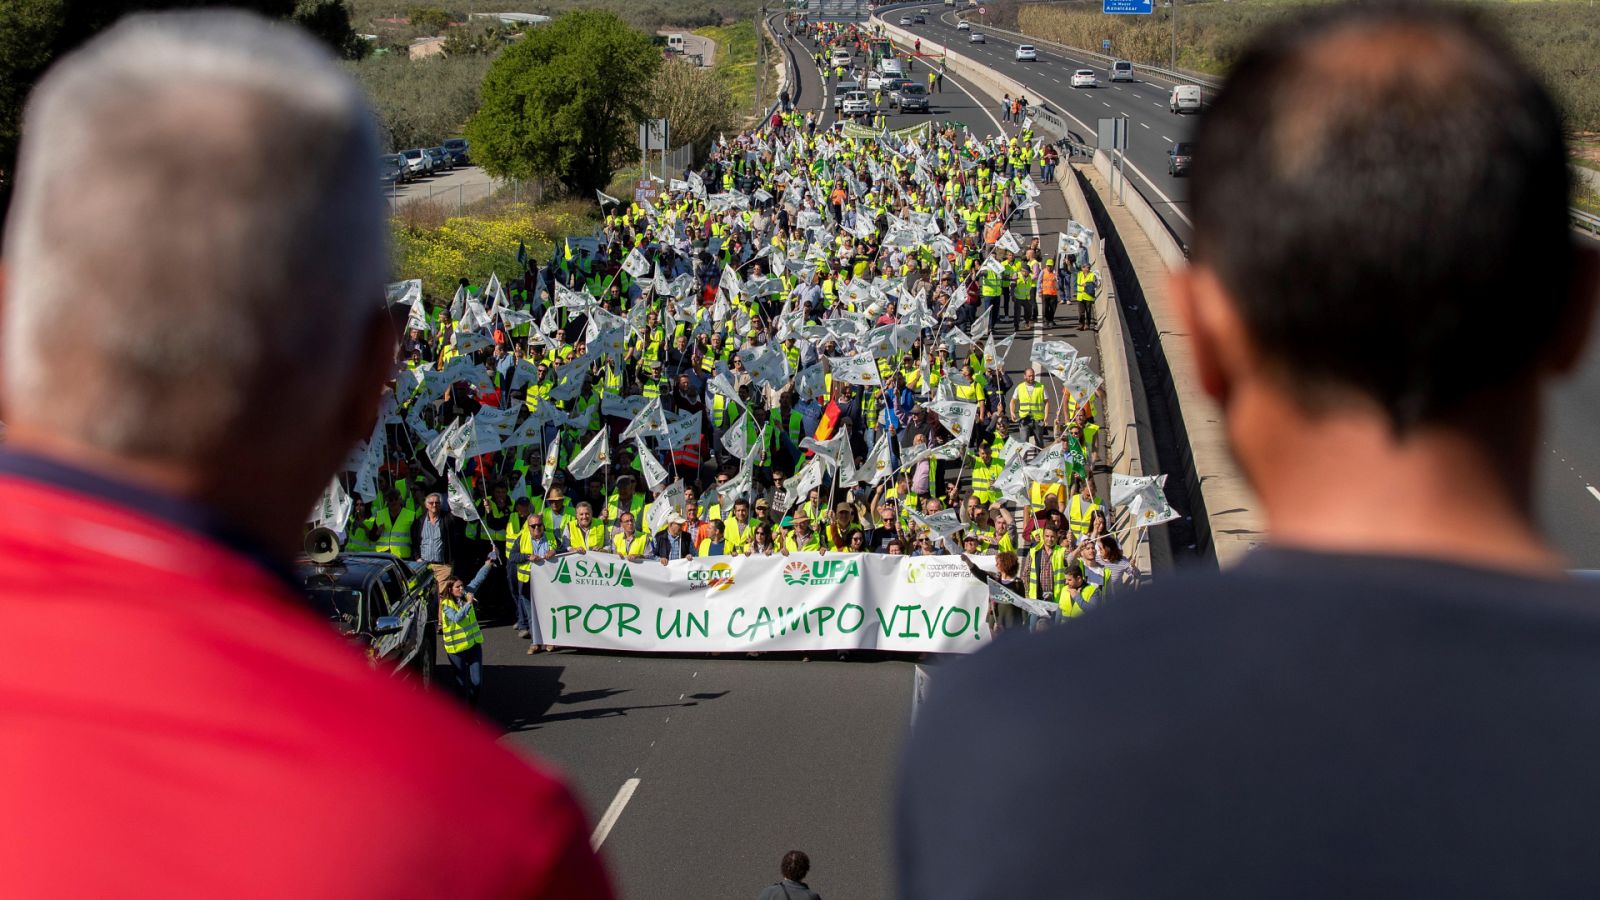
x=992 y=232
x=1049 y=292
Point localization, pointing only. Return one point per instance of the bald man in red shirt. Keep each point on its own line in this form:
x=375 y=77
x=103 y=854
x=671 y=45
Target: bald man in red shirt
x=175 y=720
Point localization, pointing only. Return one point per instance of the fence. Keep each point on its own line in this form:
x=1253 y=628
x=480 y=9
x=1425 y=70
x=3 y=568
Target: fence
x=454 y=193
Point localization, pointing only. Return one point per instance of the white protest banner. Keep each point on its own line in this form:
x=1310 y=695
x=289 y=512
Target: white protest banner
x=333 y=507
x=1002 y=594
x=725 y=604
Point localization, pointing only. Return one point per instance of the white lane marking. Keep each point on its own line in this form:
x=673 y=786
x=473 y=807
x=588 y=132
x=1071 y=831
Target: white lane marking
x=1167 y=139
x=613 y=812
x=1595 y=491
x=1155 y=104
x=1143 y=125
x=1115 y=88
x=1105 y=104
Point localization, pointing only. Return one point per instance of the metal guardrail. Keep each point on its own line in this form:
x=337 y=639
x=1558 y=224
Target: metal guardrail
x=1585 y=221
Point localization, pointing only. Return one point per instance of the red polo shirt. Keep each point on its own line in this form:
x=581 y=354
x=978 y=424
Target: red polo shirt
x=176 y=722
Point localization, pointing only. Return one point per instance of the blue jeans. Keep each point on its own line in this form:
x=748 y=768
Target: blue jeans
x=468 y=667
x=519 y=596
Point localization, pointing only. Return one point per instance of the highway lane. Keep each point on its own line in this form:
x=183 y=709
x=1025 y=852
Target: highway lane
x=1567 y=489
x=736 y=760
x=1153 y=129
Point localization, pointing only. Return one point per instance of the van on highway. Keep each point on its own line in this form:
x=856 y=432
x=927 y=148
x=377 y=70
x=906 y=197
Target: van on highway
x=1185 y=98
x=889 y=67
x=1122 y=70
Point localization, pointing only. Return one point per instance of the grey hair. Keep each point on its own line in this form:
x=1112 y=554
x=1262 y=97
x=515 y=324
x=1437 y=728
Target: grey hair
x=197 y=244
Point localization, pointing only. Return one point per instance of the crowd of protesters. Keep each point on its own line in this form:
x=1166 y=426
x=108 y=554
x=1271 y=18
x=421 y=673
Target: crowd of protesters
x=795 y=348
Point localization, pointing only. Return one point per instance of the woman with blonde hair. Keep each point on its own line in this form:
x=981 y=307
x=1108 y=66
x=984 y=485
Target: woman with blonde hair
x=463 y=641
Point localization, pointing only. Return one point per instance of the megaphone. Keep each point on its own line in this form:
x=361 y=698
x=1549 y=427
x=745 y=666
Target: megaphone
x=322 y=545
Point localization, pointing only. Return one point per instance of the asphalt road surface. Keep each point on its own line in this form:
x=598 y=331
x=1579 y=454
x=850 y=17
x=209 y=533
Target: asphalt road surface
x=1568 y=488
x=709 y=769
x=457 y=186
x=1153 y=129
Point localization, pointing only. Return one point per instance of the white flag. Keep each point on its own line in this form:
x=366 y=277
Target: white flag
x=606 y=198
x=650 y=421
x=876 y=466
x=859 y=369
x=1002 y=594
x=666 y=503
x=1145 y=497
x=941 y=524
x=595 y=454
x=809 y=477
x=460 y=498
x=1008 y=241
x=654 y=474
x=736 y=440
x=333 y=507
x=635 y=264
x=408 y=292
x=957 y=416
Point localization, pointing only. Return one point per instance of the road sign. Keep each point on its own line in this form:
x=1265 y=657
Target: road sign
x=653 y=134
x=1105 y=44
x=1127 y=7
x=1112 y=134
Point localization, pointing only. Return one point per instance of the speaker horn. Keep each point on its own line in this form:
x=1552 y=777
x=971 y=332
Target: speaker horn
x=322 y=545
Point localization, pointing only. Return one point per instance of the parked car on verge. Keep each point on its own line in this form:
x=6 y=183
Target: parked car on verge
x=1122 y=70
x=913 y=97
x=856 y=103
x=1185 y=98
x=1026 y=53
x=392 y=168
x=1179 y=158
x=963 y=25
x=1085 y=78
x=382 y=603
x=417 y=162
x=977 y=38
x=458 y=149
x=441 y=159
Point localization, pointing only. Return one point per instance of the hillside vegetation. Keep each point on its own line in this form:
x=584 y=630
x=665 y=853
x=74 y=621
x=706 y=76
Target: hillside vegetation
x=1561 y=38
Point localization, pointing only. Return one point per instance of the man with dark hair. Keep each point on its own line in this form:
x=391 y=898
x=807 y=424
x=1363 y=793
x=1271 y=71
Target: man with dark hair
x=1396 y=697
x=793 y=886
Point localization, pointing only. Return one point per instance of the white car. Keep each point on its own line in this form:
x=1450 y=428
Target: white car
x=905 y=20
x=874 y=81
x=963 y=25
x=1026 y=53
x=1122 y=70
x=1085 y=78
x=976 y=38
x=856 y=104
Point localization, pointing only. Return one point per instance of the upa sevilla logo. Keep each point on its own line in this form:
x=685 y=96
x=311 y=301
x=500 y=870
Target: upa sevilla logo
x=821 y=571
x=593 y=574
x=716 y=577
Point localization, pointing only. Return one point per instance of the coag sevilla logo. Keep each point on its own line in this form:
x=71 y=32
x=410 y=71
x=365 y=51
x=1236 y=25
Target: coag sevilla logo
x=715 y=577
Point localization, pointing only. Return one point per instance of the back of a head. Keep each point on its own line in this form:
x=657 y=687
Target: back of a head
x=795 y=865
x=1376 y=186
x=196 y=247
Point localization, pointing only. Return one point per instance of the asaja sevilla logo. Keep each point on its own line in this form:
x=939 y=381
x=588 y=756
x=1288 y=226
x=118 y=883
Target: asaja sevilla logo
x=716 y=577
x=594 y=574
x=821 y=571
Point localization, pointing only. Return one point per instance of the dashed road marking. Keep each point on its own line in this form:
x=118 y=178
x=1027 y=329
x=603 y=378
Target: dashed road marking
x=613 y=812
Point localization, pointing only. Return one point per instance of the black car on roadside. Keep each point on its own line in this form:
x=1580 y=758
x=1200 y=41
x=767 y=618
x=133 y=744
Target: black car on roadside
x=457 y=148
x=380 y=603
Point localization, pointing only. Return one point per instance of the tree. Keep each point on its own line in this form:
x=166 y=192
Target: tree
x=477 y=39
x=696 y=105
x=34 y=33
x=565 y=101
x=429 y=19
x=329 y=21
x=419 y=103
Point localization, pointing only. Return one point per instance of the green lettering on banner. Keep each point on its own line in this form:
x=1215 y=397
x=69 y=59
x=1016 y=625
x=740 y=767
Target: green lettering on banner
x=763 y=618
x=910 y=611
x=701 y=623
x=569 y=613
x=950 y=616
x=823 y=614
x=886 y=624
x=861 y=616
x=690 y=624
x=733 y=614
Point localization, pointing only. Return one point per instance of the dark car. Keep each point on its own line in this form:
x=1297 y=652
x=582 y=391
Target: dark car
x=457 y=148
x=442 y=160
x=392 y=168
x=1179 y=158
x=381 y=603
x=919 y=19
x=913 y=98
x=892 y=88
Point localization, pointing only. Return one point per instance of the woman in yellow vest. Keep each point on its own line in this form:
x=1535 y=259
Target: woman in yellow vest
x=463 y=641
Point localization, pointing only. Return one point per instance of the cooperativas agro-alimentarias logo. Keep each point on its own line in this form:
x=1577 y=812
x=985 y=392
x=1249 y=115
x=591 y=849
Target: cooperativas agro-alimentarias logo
x=715 y=577
x=821 y=571
x=593 y=573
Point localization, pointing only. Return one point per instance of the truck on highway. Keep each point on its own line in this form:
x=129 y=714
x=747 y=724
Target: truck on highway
x=1185 y=98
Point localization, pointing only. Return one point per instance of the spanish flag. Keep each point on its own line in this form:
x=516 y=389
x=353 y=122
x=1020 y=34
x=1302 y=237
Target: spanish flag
x=828 y=424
